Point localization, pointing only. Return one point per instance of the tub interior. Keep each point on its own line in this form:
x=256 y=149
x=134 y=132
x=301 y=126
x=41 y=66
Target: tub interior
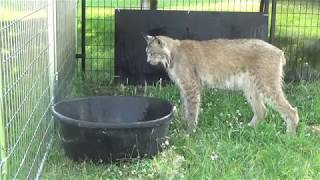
x=114 y=109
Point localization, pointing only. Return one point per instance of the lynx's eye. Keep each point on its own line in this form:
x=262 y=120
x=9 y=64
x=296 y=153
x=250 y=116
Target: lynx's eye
x=158 y=42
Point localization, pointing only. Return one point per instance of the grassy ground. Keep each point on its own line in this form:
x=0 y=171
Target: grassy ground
x=223 y=146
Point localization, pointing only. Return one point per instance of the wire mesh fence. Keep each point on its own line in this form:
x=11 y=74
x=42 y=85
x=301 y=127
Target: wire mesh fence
x=297 y=33
x=29 y=67
x=296 y=30
x=65 y=47
x=100 y=24
x=25 y=86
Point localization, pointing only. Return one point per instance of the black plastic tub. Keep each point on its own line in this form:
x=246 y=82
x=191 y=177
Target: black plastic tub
x=108 y=128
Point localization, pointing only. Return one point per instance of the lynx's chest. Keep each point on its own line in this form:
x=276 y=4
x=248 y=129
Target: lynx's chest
x=174 y=77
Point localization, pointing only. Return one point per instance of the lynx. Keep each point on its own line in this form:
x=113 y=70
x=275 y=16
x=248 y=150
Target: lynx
x=252 y=66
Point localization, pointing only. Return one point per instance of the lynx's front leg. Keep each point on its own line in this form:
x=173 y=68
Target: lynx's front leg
x=190 y=95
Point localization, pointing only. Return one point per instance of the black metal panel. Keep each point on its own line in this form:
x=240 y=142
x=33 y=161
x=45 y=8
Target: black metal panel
x=130 y=56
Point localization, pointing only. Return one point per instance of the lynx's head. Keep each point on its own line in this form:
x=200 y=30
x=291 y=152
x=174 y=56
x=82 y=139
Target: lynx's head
x=159 y=50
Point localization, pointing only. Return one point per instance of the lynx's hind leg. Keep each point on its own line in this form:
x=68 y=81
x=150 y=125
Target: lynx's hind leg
x=274 y=96
x=273 y=93
x=256 y=102
x=287 y=112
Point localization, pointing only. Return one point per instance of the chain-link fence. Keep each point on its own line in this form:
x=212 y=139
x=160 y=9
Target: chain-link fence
x=37 y=47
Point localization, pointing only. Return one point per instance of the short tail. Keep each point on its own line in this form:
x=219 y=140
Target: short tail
x=283 y=63
x=283 y=59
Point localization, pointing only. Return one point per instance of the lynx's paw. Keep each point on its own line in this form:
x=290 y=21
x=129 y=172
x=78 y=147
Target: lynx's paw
x=191 y=127
x=291 y=128
x=254 y=122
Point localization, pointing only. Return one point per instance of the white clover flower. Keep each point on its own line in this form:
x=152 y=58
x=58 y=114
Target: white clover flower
x=166 y=142
x=133 y=172
x=214 y=156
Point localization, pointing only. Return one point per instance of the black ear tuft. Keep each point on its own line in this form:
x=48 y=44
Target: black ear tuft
x=144 y=36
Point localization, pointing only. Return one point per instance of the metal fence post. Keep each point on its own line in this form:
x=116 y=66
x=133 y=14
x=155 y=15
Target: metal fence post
x=3 y=149
x=264 y=6
x=262 y=3
x=273 y=21
x=83 y=35
x=148 y=4
x=52 y=45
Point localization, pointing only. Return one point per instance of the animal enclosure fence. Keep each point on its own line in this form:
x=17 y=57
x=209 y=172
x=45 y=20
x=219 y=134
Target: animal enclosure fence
x=297 y=33
x=37 y=47
x=295 y=26
x=99 y=22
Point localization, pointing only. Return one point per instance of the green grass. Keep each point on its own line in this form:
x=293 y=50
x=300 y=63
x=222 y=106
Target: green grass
x=223 y=146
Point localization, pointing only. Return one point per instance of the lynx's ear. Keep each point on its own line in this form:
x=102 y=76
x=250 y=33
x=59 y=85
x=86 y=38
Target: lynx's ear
x=147 y=38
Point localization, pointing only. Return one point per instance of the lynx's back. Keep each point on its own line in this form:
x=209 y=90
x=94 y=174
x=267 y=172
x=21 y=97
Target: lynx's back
x=222 y=63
